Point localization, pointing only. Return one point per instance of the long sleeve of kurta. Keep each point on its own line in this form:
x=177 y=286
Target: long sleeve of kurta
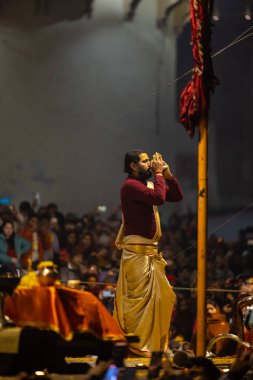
x=137 y=202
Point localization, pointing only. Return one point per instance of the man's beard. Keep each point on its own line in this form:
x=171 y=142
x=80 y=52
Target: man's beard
x=145 y=174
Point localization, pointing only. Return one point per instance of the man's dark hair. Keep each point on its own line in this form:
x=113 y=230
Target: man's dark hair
x=131 y=156
x=25 y=207
x=7 y=222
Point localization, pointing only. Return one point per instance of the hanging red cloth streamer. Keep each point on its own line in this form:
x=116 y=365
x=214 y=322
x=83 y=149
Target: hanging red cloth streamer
x=194 y=100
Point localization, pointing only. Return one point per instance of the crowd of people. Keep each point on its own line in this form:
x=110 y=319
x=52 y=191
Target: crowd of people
x=83 y=249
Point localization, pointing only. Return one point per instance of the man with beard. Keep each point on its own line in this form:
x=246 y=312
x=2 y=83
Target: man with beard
x=144 y=298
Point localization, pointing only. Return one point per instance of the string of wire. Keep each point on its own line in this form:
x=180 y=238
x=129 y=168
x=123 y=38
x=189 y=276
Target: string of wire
x=82 y=283
x=238 y=39
x=233 y=217
x=235 y=41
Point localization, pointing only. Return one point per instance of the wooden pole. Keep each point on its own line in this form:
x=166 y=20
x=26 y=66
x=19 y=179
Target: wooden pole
x=202 y=237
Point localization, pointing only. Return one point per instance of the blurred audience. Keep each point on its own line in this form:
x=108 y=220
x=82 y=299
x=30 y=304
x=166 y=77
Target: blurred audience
x=83 y=248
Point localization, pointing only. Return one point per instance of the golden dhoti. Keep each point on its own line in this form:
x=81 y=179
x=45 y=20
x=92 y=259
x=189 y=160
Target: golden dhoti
x=144 y=298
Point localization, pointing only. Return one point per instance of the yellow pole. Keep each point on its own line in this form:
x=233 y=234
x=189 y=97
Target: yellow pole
x=202 y=237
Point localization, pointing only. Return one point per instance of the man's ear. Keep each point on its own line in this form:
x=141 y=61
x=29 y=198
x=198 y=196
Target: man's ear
x=133 y=166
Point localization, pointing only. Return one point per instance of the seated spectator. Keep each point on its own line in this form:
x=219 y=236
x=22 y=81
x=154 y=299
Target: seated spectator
x=241 y=303
x=185 y=306
x=106 y=296
x=103 y=259
x=52 y=210
x=32 y=233
x=109 y=277
x=12 y=246
x=216 y=323
x=25 y=212
x=92 y=285
x=74 y=269
x=87 y=245
x=71 y=241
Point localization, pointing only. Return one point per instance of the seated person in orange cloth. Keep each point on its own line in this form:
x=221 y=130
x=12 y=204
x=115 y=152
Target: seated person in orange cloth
x=32 y=233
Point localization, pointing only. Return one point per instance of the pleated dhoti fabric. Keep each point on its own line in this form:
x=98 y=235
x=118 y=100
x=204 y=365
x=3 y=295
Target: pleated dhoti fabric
x=144 y=299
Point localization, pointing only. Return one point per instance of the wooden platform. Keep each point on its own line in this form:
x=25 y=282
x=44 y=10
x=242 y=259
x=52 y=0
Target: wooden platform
x=128 y=362
x=220 y=362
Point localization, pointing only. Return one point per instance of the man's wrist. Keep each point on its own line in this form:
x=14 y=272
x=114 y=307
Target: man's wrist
x=167 y=174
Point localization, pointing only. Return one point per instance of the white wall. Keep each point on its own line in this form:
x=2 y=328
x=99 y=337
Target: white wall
x=76 y=96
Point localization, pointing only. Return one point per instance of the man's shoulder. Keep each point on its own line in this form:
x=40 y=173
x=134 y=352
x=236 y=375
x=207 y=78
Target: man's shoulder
x=131 y=182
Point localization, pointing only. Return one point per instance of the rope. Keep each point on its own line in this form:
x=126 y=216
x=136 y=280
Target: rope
x=233 y=217
x=121 y=116
x=232 y=43
x=174 y=287
x=213 y=290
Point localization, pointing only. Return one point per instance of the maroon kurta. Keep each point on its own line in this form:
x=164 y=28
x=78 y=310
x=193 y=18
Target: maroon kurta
x=137 y=201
